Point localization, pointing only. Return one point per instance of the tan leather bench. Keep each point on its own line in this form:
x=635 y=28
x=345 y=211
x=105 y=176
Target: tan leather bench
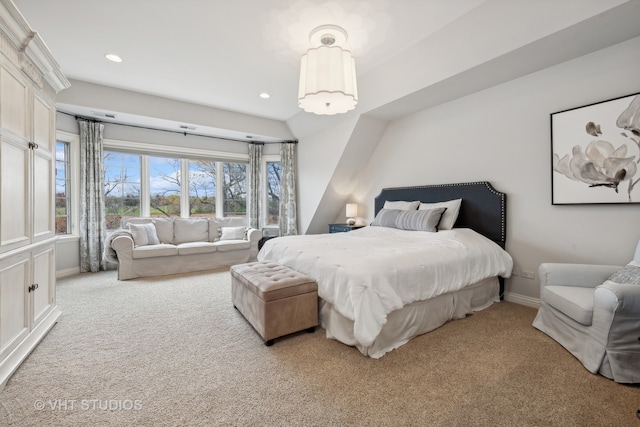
x=274 y=299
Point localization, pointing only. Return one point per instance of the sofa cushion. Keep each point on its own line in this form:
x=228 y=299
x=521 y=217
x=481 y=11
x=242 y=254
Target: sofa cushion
x=232 y=245
x=154 y=251
x=574 y=301
x=164 y=228
x=144 y=234
x=187 y=230
x=196 y=248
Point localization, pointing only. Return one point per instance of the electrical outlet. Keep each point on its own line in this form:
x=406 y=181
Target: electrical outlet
x=528 y=274
x=516 y=271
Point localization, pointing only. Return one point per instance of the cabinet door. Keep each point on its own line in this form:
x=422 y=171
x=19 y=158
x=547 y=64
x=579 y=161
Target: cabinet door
x=43 y=170
x=14 y=302
x=44 y=276
x=13 y=103
x=15 y=227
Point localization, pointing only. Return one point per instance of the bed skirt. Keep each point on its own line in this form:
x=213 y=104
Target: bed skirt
x=413 y=319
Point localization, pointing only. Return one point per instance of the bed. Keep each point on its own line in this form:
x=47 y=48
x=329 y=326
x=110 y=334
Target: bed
x=382 y=285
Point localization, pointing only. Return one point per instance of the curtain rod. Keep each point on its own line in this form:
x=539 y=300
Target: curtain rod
x=91 y=119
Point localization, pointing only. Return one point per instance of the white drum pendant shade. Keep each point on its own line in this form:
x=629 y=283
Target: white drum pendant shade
x=327 y=81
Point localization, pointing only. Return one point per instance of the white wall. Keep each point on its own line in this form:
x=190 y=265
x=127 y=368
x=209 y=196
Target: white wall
x=502 y=135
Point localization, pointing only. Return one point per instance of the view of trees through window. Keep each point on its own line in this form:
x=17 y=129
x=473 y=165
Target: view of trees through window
x=123 y=184
x=165 y=186
x=121 y=187
x=235 y=189
x=273 y=193
x=63 y=188
x=202 y=188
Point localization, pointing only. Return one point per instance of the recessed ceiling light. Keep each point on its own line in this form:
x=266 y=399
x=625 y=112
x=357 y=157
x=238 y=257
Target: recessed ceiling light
x=265 y=95
x=113 y=57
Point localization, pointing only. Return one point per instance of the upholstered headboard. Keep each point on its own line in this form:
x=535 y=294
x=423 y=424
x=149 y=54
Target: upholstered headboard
x=483 y=209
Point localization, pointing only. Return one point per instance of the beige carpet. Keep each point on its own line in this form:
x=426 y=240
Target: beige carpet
x=172 y=351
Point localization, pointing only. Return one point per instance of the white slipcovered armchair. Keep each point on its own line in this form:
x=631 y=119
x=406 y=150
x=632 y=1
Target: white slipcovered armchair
x=594 y=318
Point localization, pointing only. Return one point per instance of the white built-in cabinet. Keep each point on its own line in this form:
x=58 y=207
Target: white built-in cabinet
x=29 y=81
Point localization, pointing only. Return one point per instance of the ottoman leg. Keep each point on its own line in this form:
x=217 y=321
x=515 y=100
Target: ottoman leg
x=311 y=330
x=268 y=343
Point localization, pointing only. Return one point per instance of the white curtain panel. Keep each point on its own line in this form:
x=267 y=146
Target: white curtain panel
x=253 y=190
x=288 y=195
x=92 y=222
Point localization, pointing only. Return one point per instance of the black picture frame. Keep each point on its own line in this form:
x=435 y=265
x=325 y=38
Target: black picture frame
x=595 y=153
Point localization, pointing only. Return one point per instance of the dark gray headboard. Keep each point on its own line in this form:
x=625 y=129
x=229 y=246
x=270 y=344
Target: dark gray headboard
x=483 y=209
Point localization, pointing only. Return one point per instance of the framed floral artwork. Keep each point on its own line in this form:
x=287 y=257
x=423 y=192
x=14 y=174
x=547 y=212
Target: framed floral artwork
x=595 y=152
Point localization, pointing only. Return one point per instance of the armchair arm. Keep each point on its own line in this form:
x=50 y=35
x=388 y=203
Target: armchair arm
x=254 y=235
x=622 y=298
x=583 y=275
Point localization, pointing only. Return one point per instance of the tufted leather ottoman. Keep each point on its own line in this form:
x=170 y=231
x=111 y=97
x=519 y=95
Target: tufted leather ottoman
x=274 y=299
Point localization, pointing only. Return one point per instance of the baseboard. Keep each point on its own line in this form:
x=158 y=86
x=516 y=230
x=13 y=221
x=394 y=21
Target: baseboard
x=522 y=299
x=67 y=272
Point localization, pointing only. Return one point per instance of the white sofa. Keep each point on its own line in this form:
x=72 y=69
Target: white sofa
x=158 y=246
x=594 y=312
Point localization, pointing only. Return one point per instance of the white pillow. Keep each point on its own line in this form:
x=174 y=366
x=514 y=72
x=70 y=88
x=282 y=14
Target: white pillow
x=450 y=215
x=424 y=220
x=144 y=234
x=233 y=233
x=400 y=205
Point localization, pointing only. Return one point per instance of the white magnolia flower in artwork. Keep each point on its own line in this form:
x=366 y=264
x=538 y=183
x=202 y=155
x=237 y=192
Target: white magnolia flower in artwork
x=630 y=118
x=600 y=165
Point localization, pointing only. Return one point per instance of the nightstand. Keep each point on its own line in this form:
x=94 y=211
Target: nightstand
x=341 y=228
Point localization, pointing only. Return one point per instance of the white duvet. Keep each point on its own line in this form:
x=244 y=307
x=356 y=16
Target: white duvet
x=369 y=272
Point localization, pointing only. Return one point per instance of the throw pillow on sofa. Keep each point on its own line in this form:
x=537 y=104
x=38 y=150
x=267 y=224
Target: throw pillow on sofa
x=144 y=234
x=233 y=233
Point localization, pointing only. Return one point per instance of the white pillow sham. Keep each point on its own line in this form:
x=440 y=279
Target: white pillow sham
x=450 y=215
x=401 y=205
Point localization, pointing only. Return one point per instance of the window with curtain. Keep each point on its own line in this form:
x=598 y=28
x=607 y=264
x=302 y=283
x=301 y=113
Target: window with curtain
x=121 y=187
x=63 y=188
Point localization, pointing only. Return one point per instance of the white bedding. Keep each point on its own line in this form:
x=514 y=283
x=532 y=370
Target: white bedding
x=366 y=274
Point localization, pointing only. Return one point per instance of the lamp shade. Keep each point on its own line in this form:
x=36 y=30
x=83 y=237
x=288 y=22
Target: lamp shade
x=327 y=76
x=352 y=210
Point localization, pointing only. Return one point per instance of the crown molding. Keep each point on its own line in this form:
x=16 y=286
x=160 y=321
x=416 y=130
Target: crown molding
x=27 y=49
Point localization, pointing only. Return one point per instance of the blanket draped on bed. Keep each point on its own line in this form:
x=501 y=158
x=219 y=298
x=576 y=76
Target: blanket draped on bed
x=368 y=273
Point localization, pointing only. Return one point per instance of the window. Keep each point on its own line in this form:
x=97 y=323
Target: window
x=273 y=193
x=164 y=186
x=142 y=185
x=63 y=188
x=121 y=187
x=202 y=188
x=235 y=189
